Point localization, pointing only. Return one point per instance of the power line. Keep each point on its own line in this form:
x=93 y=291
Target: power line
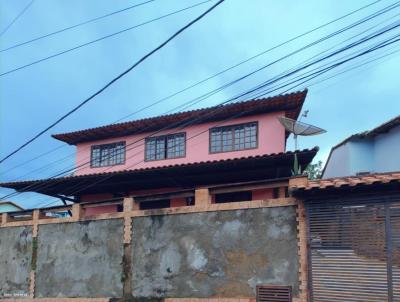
x=101 y=38
x=265 y=83
x=386 y=55
x=76 y=25
x=16 y=18
x=369 y=61
x=114 y=80
x=382 y=44
x=258 y=87
x=230 y=68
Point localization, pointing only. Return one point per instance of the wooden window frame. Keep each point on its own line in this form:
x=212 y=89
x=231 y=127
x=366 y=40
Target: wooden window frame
x=165 y=137
x=232 y=127
x=105 y=146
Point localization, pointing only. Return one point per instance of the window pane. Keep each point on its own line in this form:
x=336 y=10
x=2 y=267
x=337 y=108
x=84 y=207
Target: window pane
x=166 y=146
x=150 y=149
x=108 y=154
x=236 y=137
x=176 y=145
x=160 y=148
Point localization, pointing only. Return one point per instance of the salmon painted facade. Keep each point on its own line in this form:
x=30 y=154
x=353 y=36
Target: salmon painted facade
x=162 y=160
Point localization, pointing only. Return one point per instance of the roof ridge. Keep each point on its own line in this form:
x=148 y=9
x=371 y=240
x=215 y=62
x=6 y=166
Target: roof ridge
x=61 y=136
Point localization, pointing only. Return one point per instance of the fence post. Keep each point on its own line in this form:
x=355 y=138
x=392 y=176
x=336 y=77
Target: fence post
x=4 y=218
x=77 y=211
x=129 y=205
x=202 y=197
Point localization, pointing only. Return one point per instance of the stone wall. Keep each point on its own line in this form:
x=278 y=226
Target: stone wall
x=223 y=254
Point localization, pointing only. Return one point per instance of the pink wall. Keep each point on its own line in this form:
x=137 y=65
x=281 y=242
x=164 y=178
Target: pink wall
x=271 y=139
x=263 y=194
x=100 y=210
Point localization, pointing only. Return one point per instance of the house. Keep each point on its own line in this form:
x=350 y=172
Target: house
x=203 y=205
x=373 y=151
x=9 y=206
x=189 y=205
x=160 y=161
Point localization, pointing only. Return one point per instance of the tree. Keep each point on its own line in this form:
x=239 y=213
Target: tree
x=314 y=171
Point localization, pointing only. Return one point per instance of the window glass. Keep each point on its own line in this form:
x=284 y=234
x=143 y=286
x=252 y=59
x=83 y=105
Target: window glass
x=108 y=155
x=165 y=147
x=233 y=138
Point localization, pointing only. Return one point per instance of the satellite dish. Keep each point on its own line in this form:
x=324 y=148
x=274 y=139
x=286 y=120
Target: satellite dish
x=299 y=128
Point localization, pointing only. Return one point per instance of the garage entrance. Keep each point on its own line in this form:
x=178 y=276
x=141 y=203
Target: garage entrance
x=354 y=250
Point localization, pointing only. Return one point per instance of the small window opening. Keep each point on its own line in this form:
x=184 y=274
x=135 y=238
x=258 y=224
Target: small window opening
x=156 y=204
x=233 y=197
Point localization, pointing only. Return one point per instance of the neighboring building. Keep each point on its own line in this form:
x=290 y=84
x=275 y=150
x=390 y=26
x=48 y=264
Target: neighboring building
x=373 y=151
x=165 y=155
x=9 y=206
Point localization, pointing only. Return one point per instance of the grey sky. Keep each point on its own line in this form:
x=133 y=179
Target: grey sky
x=33 y=97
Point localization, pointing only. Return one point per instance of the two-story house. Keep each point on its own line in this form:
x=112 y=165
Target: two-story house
x=237 y=151
x=373 y=151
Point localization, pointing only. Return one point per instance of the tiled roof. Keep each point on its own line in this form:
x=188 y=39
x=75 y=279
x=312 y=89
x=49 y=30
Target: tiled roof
x=290 y=103
x=348 y=182
x=276 y=160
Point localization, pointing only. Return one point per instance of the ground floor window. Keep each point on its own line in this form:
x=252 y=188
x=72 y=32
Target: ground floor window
x=156 y=204
x=233 y=197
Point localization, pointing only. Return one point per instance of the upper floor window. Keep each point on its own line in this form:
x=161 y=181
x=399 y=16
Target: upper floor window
x=165 y=147
x=108 y=155
x=234 y=138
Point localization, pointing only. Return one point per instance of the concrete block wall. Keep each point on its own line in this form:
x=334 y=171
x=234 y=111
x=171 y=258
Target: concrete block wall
x=206 y=252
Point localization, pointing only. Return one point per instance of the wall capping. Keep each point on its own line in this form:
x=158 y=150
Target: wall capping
x=253 y=204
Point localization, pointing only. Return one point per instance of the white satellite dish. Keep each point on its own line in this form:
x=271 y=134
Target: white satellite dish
x=299 y=128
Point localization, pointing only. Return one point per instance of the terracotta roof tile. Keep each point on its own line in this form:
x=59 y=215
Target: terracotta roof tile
x=370 y=179
x=291 y=104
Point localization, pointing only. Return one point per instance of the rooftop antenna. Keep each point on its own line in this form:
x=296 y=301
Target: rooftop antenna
x=299 y=128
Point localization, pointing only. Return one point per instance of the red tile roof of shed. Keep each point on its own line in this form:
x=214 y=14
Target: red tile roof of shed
x=347 y=182
x=290 y=103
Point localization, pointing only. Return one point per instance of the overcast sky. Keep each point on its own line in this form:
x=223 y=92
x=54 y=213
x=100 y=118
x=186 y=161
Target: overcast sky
x=33 y=97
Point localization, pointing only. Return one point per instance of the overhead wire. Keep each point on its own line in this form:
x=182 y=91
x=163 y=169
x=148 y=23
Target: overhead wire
x=75 y=26
x=101 y=38
x=115 y=79
x=236 y=65
x=19 y=15
x=380 y=45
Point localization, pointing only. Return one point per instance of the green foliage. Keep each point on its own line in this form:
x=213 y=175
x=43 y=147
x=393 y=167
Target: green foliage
x=314 y=171
x=296 y=167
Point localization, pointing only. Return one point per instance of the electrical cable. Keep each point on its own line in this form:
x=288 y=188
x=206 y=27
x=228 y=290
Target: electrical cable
x=228 y=69
x=76 y=25
x=112 y=81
